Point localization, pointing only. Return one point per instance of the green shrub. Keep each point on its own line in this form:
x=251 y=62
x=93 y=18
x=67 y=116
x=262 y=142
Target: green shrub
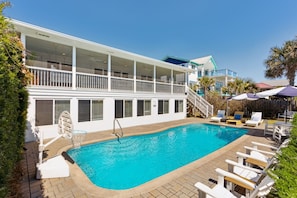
x=13 y=102
x=286 y=169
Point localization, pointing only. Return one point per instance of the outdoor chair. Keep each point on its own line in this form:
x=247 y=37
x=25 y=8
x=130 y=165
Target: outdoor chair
x=281 y=132
x=260 y=158
x=238 y=115
x=287 y=115
x=269 y=128
x=246 y=172
x=219 y=116
x=256 y=119
x=251 y=189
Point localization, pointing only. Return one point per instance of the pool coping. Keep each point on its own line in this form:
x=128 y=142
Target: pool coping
x=84 y=183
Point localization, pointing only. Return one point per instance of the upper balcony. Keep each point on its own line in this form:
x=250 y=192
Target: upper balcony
x=103 y=81
x=219 y=73
x=85 y=65
x=223 y=72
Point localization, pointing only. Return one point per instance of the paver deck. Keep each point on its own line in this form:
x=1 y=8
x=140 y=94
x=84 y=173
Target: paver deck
x=178 y=183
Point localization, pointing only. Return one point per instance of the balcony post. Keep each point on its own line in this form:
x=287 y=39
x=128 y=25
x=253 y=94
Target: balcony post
x=74 y=68
x=154 y=79
x=109 y=73
x=134 y=77
x=171 y=81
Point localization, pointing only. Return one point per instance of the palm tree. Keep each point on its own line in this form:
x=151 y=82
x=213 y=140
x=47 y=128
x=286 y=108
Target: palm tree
x=283 y=62
x=206 y=83
x=235 y=86
x=239 y=86
x=249 y=86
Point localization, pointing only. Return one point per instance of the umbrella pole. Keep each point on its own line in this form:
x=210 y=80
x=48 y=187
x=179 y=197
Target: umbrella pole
x=286 y=110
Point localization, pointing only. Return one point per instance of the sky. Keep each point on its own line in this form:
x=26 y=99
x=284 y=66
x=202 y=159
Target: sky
x=238 y=34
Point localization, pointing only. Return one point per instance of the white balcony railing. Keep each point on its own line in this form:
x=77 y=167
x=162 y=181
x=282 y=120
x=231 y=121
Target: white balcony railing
x=91 y=81
x=122 y=84
x=163 y=87
x=60 y=78
x=179 y=89
x=144 y=86
x=49 y=77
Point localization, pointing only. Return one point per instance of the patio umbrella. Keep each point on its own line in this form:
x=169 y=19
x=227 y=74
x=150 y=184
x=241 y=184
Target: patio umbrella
x=245 y=96
x=282 y=92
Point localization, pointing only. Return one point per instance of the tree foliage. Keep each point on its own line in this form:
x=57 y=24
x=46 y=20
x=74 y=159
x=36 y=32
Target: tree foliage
x=282 y=61
x=239 y=86
x=13 y=100
x=206 y=83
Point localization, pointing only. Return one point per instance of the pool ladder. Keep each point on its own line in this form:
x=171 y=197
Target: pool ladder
x=120 y=133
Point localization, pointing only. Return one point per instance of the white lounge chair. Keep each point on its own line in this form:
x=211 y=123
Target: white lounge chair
x=256 y=119
x=259 y=189
x=247 y=172
x=281 y=132
x=217 y=191
x=261 y=158
x=252 y=190
x=255 y=158
x=219 y=116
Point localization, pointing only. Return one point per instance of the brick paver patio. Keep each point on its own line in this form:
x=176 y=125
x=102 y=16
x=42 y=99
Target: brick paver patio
x=178 y=183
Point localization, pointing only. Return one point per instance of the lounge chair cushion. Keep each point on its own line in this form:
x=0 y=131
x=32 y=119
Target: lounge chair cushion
x=220 y=115
x=251 y=175
x=259 y=156
x=256 y=119
x=237 y=117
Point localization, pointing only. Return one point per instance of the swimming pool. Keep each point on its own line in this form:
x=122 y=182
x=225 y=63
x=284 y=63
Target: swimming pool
x=138 y=159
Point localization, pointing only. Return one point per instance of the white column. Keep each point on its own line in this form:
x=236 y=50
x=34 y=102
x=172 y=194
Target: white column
x=109 y=72
x=186 y=82
x=155 y=78
x=135 y=77
x=73 y=67
x=172 y=80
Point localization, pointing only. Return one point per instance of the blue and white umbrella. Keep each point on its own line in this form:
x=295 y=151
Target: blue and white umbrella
x=246 y=96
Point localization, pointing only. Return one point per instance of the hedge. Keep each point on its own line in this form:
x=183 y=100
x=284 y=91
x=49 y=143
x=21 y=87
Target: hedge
x=13 y=101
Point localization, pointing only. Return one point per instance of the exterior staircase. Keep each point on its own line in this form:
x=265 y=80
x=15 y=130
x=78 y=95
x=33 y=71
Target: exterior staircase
x=198 y=106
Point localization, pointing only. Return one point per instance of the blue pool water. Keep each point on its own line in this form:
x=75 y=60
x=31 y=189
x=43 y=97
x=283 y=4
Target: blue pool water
x=138 y=159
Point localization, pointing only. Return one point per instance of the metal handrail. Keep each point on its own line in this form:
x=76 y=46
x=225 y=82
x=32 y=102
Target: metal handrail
x=118 y=134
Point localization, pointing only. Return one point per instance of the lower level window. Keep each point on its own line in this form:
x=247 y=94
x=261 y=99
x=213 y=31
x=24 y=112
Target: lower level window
x=60 y=106
x=143 y=107
x=47 y=112
x=179 y=106
x=90 y=110
x=123 y=108
x=163 y=106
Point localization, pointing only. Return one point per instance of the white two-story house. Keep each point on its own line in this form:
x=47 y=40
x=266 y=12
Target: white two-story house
x=97 y=84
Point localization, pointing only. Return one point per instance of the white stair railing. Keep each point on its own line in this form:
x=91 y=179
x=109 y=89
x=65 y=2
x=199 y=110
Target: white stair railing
x=200 y=103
